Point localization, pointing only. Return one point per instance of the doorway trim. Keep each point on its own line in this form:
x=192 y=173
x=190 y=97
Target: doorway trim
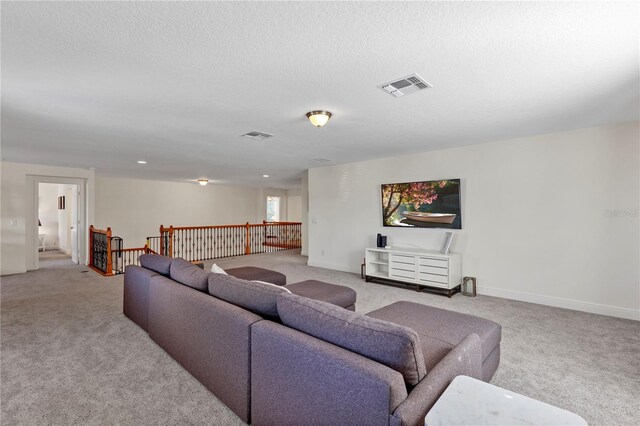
x=33 y=182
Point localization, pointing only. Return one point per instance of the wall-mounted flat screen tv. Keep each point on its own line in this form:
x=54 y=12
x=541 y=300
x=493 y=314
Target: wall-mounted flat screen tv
x=428 y=204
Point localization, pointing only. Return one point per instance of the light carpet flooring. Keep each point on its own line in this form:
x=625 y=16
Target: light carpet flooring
x=69 y=356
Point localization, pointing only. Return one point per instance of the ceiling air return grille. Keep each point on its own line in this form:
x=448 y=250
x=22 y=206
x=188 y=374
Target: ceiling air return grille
x=405 y=86
x=257 y=135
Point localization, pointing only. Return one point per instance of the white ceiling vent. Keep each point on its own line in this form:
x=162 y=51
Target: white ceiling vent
x=321 y=160
x=405 y=85
x=257 y=135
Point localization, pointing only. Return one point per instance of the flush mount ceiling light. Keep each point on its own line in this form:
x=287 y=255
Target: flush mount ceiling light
x=203 y=182
x=142 y=162
x=318 y=118
x=265 y=176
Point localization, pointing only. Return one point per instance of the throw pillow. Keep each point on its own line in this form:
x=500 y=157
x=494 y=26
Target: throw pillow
x=217 y=270
x=390 y=344
x=275 y=285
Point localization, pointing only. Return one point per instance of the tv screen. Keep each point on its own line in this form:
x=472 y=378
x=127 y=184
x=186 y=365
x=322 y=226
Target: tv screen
x=428 y=204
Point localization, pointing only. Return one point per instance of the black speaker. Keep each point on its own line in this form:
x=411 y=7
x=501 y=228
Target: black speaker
x=379 y=241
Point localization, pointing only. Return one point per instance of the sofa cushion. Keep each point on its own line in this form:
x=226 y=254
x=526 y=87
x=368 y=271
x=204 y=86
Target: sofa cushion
x=257 y=297
x=189 y=274
x=340 y=295
x=156 y=263
x=440 y=329
x=250 y=273
x=393 y=345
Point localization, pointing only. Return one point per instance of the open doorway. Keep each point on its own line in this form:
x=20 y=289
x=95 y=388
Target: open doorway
x=58 y=223
x=67 y=205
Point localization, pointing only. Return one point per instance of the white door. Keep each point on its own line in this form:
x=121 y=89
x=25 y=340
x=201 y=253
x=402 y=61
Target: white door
x=73 y=225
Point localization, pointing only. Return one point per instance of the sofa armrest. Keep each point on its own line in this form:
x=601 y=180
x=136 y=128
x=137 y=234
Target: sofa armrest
x=135 y=301
x=210 y=338
x=298 y=379
x=464 y=359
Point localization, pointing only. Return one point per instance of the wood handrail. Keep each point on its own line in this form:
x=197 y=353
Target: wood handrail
x=144 y=249
x=186 y=228
x=264 y=222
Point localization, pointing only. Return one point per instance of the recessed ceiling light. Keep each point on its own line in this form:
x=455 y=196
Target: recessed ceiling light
x=142 y=162
x=203 y=182
x=265 y=175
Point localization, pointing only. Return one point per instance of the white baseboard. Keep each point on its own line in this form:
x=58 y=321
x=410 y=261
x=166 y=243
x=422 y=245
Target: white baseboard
x=9 y=271
x=576 y=305
x=343 y=268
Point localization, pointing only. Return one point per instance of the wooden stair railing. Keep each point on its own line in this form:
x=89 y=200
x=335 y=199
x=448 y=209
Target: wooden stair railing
x=196 y=243
x=107 y=260
x=100 y=250
x=193 y=243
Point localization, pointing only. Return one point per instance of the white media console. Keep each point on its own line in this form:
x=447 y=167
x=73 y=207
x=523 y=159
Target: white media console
x=415 y=266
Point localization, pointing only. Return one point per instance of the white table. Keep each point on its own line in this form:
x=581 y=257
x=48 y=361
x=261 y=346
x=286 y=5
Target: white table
x=41 y=238
x=468 y=401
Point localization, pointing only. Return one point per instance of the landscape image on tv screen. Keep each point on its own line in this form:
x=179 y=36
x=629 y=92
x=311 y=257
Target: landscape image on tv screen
x=429 y=204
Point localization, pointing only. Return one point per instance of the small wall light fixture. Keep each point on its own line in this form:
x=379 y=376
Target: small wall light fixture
x=203 y=182
x=319 y=118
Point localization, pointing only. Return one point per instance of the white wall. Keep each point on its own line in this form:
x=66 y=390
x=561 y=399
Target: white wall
x=550 y=219
x=135 y=209
x=48 y=213
x=18 y=225
x=304 y=196
x=294 y=205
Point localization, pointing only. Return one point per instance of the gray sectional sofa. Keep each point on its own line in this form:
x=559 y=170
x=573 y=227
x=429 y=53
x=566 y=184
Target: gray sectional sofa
x=279 y=358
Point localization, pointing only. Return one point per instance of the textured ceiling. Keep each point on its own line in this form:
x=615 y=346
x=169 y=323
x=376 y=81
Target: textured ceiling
x=103 y=84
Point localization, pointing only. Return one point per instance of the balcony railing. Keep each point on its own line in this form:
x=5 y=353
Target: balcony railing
x=108 y=256
x=196 y=243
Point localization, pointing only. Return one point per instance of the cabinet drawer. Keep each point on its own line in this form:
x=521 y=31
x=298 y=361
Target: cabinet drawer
x=404 y=267
x=404 y=259
x=401 y=273
x=433 y=284
x=438 y=263
x=433 y=270
x=434 y=278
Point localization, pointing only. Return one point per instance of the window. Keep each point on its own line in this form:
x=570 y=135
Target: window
x=273 y=209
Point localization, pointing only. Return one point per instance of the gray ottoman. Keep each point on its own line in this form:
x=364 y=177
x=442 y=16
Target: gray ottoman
x=253 y=273
x=340 y=295
x=441 y=330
